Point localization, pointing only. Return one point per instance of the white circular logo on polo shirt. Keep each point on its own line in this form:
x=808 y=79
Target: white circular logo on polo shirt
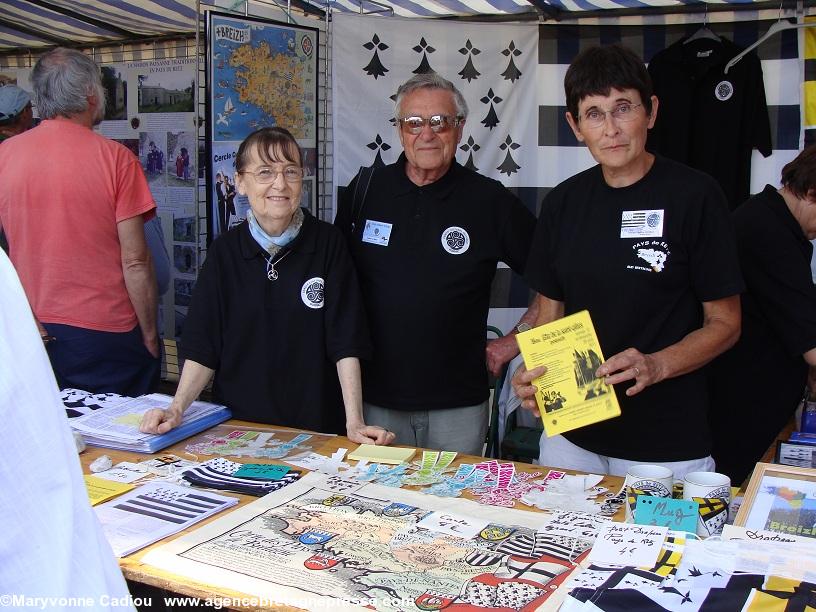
x=724 y=90
x=312 y=292
x=455 y=240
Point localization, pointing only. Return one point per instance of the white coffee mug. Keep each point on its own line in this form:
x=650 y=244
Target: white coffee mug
x=712 y=491
x=646 y=479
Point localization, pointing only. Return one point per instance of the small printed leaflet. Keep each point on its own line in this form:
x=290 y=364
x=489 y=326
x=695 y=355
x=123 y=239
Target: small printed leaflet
x=154 y=511
x=100 y=490
x=569 y=395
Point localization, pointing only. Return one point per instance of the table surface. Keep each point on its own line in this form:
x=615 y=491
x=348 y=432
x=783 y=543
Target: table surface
x=135 y=570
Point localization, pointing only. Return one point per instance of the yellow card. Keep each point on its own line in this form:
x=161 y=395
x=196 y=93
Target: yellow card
x=100 y=490
x=569 y=396
x=382 y=454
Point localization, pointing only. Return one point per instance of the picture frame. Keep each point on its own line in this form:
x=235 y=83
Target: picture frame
x=780 y=498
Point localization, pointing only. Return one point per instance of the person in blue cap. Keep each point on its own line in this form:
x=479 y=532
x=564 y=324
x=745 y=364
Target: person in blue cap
x=16 y=115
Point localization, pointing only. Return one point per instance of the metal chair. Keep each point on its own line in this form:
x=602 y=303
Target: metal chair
x=520 y=443
x=492 y=449
x=522 y=433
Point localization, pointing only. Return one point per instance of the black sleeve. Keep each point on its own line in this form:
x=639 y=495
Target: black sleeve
x=709 y=235
x=202 y=338
x=757 y=121
x=540 y=273
x=346 y=325
x=516 y=228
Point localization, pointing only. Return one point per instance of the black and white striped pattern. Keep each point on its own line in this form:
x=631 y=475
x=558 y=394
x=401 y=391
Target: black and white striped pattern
x=205 y=477
x=540 y=572
x=533 y=547
x=482 y=559
x=172 y=508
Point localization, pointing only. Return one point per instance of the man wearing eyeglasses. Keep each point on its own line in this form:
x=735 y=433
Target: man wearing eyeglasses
x=426 y=234
x=645 y=245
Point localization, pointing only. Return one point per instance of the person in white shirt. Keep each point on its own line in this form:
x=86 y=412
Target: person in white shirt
x=53 y=553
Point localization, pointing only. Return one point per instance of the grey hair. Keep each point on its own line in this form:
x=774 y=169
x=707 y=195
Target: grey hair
x=431 y=80
x=62 y=80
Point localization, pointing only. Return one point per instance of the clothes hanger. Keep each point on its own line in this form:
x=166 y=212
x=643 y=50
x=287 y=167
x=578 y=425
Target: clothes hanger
x=704 y=32
x=776 y=27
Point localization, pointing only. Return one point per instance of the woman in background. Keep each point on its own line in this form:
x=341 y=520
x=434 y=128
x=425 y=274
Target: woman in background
x=756 y=386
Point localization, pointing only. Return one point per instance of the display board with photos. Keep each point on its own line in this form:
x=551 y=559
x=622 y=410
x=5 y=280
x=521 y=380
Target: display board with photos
x=149 y=110
x=260 y=73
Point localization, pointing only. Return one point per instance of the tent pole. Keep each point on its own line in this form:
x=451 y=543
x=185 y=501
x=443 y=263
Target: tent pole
x=325 y=179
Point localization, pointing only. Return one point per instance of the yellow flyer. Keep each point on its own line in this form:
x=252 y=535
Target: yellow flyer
x=569 y=396
x=100 y=490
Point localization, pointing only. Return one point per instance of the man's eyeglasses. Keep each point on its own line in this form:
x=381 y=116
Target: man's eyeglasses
x=263 y=175
x=623 y=112
x=438 y=123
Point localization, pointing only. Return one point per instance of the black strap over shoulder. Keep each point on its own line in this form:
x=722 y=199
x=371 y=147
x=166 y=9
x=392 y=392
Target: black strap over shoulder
x=363 y=177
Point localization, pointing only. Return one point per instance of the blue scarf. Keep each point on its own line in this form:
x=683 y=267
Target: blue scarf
x=273 y=244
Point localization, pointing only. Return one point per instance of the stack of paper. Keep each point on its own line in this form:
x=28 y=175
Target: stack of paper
x=154 y=511
x=382 y=454
x=117 y=426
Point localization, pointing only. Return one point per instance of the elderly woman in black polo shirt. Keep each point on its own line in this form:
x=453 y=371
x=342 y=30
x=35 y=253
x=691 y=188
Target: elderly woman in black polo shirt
x=276 y=314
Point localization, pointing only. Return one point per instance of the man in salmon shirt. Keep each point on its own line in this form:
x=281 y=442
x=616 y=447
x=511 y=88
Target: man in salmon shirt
x=73 y=206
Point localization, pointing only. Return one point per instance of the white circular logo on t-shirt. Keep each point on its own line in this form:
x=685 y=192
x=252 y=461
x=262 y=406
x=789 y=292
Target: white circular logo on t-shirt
x=312 y=292
x=724 y=90
x=455 y=240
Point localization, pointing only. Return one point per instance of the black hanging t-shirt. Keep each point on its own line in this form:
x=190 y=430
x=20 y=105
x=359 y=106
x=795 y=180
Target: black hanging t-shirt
x=707 y=119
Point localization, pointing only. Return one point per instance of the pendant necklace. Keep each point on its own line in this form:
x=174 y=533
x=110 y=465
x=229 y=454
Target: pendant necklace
x=271 y=272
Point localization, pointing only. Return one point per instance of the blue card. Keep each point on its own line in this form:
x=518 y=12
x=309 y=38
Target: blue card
x=265 y=471
x=676 y=514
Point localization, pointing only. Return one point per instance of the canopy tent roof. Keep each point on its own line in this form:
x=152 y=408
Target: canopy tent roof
x=42 y=23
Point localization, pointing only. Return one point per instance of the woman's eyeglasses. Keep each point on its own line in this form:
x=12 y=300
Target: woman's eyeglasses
x=595 y=118
x=291 y=174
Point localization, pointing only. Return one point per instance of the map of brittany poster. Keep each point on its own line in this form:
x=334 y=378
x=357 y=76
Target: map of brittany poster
x=261 y=74
x=316 y=549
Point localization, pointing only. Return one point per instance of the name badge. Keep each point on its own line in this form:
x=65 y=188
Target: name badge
x=642 y=224
x=377 y=232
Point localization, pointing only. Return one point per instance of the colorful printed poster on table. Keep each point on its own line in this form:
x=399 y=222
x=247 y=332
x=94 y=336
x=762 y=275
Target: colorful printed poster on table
x=261 y=74
x=312 y=547
x=569 y=395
